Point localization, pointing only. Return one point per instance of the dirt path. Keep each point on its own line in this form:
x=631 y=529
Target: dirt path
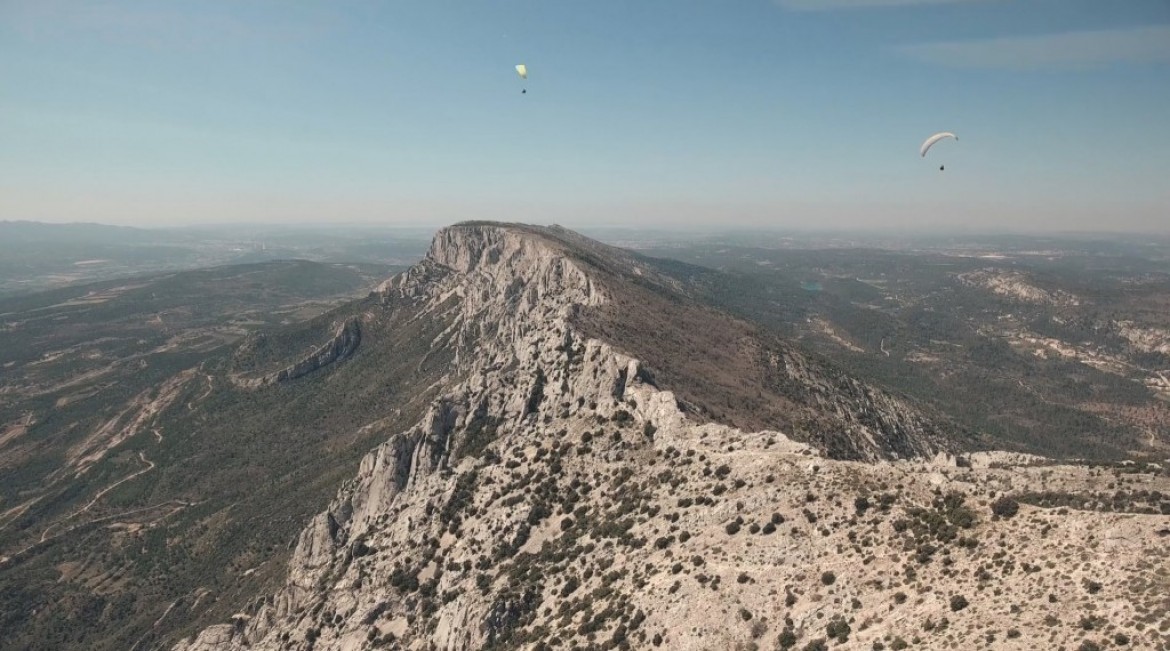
x=15 y=512
x=176 y=506
x=148 y=468
x=85 y=509
x=142 y=409
x=210 y=387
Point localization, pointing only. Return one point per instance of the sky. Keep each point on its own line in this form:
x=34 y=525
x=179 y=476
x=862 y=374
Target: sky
x=787 y=113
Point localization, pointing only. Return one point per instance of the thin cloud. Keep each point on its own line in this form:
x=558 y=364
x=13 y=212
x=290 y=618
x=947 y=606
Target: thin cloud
x=825 y=5
x=1069 y=50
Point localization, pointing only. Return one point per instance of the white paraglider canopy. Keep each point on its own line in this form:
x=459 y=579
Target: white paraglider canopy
x=935 y=138
x=522 y=70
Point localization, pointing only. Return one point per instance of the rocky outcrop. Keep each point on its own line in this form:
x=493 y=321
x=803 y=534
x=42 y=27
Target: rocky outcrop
x=213 y=638
x=1146 y=340
x=1016 y=286
x=869 y=423
x=344 y=343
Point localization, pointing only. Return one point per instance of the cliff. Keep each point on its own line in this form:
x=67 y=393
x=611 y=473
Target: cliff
x=344 y=343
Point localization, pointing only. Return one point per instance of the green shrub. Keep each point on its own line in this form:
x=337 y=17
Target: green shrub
x=1005 y=507
x=839 y=628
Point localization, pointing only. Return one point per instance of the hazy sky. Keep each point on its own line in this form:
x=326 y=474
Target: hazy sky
x=789 y=112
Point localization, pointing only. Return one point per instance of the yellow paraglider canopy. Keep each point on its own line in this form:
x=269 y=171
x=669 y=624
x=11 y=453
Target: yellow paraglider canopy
x=522 y=70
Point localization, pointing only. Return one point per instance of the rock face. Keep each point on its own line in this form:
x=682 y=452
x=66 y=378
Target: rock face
x=345 y=341
x=1016 y=286
x=554 y=495
x=1146 y=340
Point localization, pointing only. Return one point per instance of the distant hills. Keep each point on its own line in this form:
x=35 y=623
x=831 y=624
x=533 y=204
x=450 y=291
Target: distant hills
x=36 y=255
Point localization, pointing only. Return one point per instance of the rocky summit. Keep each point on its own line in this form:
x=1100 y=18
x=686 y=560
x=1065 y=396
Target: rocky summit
x=609 y=464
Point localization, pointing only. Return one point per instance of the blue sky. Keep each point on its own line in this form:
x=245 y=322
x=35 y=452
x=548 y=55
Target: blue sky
x=798 y=113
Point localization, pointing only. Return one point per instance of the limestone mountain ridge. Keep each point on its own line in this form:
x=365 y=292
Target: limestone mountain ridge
x=611 y=464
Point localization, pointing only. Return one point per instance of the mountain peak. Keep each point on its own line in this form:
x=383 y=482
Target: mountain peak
x=720 y=367
x=468 y=245
x=464 y=245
